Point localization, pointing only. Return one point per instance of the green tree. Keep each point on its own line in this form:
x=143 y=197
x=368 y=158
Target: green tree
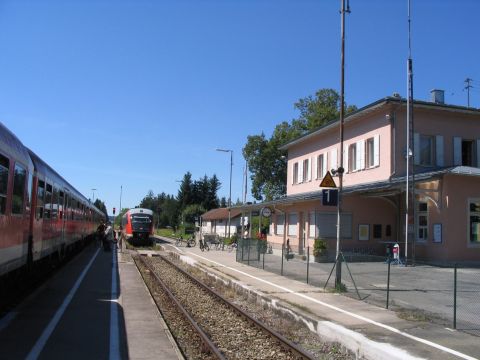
x=100 y=205
x=185 y=194
x=267 y=164
x=192 y=212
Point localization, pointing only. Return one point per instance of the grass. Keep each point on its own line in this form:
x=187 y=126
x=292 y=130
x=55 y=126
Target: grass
x=166 y=232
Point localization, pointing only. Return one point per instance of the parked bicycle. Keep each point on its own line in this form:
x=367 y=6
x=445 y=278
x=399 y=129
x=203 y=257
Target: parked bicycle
x=190 y=242
x=203 y=245
x=232 y=246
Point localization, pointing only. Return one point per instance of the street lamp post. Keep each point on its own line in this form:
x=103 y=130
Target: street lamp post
x=230 y=193
x=93 y=195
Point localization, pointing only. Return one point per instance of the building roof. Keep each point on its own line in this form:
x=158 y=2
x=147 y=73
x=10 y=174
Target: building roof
x=375 y=105
x=221 y=213
x=393 y=186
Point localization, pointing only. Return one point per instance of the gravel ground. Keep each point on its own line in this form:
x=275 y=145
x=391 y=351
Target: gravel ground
x=212 y=315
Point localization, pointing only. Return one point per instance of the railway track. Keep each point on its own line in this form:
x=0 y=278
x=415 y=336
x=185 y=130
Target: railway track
x=204 y=323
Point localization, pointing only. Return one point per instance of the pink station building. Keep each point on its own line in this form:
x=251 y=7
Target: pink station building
x=444 y=221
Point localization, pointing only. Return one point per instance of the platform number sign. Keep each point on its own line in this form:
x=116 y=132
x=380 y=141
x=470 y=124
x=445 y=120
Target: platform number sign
x=330 y=197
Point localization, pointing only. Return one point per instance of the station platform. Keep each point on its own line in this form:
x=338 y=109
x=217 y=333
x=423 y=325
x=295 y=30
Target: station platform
x=95 y=307
x=98 y=307
x=368 y=330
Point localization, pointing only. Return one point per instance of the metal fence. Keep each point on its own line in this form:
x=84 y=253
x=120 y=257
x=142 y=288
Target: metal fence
x=448 y=295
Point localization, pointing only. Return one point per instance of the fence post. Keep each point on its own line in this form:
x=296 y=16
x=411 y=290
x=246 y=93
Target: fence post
x=248 y=251
x=455 y=296
x=308 y=261
x=281 y=268
x=243 y=246
x=263 y=264
x=388 y=283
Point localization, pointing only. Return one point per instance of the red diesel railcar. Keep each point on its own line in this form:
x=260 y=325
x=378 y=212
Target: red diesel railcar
x=138 y=224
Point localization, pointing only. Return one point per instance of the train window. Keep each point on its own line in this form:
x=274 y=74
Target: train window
x=66 y=207
x=18 y=199
x=4 y=165
x=29 y=193
x=72 y=209
x=54 y=209
x=48 y=202
x=40 y=199
x=60 y=205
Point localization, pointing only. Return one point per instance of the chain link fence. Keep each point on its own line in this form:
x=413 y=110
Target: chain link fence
x=447 y=295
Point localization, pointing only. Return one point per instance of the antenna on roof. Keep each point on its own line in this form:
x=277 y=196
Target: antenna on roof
x=468 y=87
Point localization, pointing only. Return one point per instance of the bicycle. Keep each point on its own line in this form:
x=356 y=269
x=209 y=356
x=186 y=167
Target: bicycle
x=232 y=246
x=203 y=245
x=191 y=242
x=179 y=241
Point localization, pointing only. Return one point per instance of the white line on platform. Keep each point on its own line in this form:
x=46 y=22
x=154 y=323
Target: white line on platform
x=360 y=317
x=40 y=344
x=114 y=333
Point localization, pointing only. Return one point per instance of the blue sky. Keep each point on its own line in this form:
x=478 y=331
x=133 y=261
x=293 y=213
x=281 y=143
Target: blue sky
x=137 y=93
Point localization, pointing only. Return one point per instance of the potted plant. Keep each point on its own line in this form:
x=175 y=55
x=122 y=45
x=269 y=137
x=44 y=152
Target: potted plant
x=320 y=252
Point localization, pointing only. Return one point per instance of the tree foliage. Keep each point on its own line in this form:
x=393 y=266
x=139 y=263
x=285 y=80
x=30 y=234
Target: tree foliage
x=100 y=205
x=267 y=163
x=193 y=199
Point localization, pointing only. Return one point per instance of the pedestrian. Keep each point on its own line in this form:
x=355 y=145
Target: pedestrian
x=100 y=233
x=108 y=237
x=288 y=250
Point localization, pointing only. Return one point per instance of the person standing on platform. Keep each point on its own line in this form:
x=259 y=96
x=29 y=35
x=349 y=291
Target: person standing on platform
x=108 y=238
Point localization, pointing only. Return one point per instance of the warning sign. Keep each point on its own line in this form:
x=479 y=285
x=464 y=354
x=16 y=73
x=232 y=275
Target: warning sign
x=328 y=181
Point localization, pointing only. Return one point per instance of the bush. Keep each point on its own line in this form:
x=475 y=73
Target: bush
x=319 y=247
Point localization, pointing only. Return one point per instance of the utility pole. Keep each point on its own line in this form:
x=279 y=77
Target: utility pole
x=340 y=170
x=468 y=87
x=410 y=155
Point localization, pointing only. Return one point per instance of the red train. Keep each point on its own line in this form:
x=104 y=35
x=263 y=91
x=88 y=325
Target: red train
x=42 y=216
x=138 y=224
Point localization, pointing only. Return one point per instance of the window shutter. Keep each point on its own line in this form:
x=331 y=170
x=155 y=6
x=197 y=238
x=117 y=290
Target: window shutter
x=300 y=171
x=376 y=150
x=315 y=167
x=345 y=159
x=333 y=159
x=457 y=150
x=310 y=169
x=478 y=152
x=416 y=148
x=358 y=155
x=361 y=154
x=439 y=150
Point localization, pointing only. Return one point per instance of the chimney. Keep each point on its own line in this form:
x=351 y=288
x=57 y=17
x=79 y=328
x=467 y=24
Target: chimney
x=438 y=96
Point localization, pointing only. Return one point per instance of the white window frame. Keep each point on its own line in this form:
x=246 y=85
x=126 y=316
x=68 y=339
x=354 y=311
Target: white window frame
x=353 y=164
x=423 y=228
x=421 y=161
x=306 y=174
x=295 y=173
x=470 y=228
x=292 y=229
x=311 y=225
x=321 y=166
x=279 y=224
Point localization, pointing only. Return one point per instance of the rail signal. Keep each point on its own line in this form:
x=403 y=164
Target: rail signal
x=113 y=211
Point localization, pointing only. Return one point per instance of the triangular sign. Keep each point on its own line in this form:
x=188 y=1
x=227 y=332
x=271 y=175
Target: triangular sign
x=328 y=181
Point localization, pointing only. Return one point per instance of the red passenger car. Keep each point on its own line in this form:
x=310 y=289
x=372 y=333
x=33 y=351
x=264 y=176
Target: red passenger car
x=42 y=216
